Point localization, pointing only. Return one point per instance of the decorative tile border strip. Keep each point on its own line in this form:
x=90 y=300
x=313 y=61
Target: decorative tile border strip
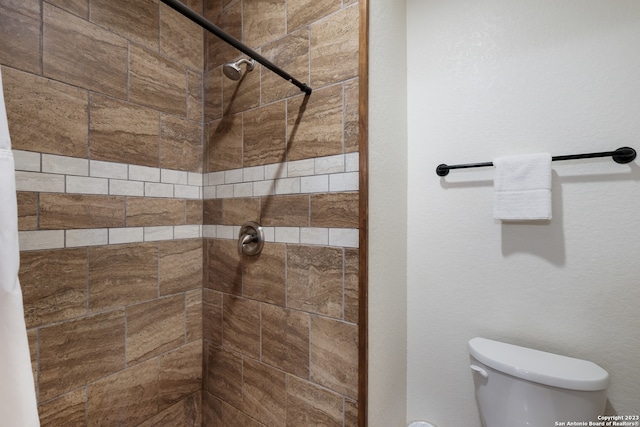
x=50 y=173
x=39 y=172
x=61 y=239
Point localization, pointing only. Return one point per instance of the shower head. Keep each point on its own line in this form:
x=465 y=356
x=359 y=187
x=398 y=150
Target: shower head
x=233 y=71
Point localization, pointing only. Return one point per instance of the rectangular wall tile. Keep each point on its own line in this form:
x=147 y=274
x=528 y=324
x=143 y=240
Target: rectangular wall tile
x=103 y=55
x=180 y=373
x=67 y=410
x=180 y=266
x=223 y=267
x=304 y=12
x=123 y=132
x=229 y=19
x=194 y=308
x=127 y=398
x=264 y=277
x=285 y=211
x=309 y=404
x=261 y=125
x=334 y=40
x=180 y=38
x=65 y=211
x=27 y=210
x=285 y=339
x=20 y=33
x=314 y=279
x=54 y=285
x=136 y=21
x=195 y=96
x=154 y=212
x=291 y=53
x=77 y=7
x=337 y=210
x=223 y=374
x=157 y=82
x=315 y=124
x=241 y=325
x=155 y=327
x=224 y=144
x=264 y=392
x=77 y=352
x=334 y=344
x=121 y=275
x=180 y=144
x=187 y=413
x=36 y=121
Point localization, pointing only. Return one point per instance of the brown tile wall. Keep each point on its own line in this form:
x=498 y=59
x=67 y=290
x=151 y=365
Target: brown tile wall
x=132 y=334
x=115 y=331
x=280 y=329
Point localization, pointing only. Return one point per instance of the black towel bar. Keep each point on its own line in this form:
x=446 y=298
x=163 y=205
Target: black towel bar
x=621 y=155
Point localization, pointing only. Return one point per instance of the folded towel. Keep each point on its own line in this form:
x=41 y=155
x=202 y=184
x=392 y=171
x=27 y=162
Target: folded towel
x=522 y=187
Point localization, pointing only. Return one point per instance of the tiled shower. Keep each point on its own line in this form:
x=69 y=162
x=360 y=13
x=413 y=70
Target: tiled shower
x=137 y=162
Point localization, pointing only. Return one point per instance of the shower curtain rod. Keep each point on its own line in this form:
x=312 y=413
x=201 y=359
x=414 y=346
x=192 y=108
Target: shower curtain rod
x=207 y=25
x=621 y=155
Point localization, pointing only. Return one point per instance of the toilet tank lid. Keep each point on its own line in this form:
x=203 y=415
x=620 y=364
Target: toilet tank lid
x=539 y=366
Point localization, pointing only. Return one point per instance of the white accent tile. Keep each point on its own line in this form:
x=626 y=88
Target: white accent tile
x=225 y=232
x=314 y=184
x=170 y=176
x=144 y=173
x=89 y=237
x=233 y=176
x=126 y=235
x=346 y=237
x=154 y=234
x=186 y=192
x=43 y=239
x=195 y=178
x=352 y=162
x=330 y=164
x=275 y=171
x=243 y=190
x=154 y=189
x=255 y=173
x=187 y=232
x=26 y=161
x=343 y=182
x=87 y=185
x=209 y=192
x=288 y=186
x=314 y=236
x=100 y=169
x=65 y=165
x=264 y=188
x=209 y=231
x=269 y=234
x=300 y=168
x=215 y=178
x=41 y=182
x=287 y=235
x=119 y=187
x=224 y=191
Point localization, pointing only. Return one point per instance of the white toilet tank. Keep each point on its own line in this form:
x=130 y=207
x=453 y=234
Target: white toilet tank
x=521 y=387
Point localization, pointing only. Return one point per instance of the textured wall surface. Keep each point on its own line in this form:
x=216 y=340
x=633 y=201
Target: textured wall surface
x=503 y=78
x=137 y=162
x=280 y=330
x=105 y=115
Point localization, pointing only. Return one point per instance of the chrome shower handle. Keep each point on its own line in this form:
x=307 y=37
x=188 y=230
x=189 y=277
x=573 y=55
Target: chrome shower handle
x=250 y=239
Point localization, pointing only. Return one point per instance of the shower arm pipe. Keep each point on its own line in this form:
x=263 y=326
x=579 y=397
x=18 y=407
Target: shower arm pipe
x=209 y=26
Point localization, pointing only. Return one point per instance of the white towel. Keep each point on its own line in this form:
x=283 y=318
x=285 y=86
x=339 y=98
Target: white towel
x=522 y=187
x=17 y=392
